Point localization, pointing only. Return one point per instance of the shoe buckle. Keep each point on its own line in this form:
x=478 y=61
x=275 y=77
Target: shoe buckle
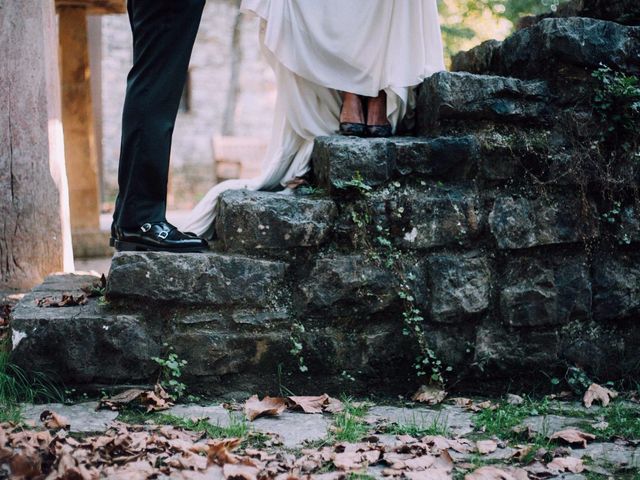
x=146 y=227
x=163 y=235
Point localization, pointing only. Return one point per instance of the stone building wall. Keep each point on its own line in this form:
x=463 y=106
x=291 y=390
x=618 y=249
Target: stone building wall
x=192 y=170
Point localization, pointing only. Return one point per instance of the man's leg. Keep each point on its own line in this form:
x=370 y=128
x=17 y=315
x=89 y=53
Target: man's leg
x=164 y=32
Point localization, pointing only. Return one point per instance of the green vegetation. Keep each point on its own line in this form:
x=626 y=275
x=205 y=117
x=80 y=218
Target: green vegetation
x=376 y=241
x=501 y=421
x=349 y=425
x=170 y=373
x=359 y=476
x=417 y=427
x=617 y=103
x=237 y=428
x=466 y=23
x=297 y=333
x=623 y=421
x=16 y=388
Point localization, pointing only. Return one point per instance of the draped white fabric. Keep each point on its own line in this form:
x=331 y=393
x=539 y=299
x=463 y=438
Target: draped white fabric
x=318 y=48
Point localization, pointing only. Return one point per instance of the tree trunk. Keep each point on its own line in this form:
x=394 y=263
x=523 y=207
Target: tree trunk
x=228 y=121
x=35 y=237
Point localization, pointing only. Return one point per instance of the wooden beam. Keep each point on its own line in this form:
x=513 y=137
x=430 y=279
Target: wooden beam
x=96 y=7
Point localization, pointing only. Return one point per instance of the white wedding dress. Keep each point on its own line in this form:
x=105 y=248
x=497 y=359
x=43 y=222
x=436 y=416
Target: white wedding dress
x=318 y=48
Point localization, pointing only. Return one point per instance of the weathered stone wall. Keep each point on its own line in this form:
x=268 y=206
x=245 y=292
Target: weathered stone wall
x=507 y=224
x=192 y=154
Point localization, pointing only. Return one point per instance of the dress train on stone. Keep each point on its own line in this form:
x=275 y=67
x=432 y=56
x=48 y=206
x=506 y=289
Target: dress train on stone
x=318 y=48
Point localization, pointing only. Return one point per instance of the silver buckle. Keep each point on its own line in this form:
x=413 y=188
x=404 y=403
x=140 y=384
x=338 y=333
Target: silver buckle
x=146 y=227
x=163 y=235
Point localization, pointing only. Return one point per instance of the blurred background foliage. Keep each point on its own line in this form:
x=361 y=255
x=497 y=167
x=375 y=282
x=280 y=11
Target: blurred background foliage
x=466 y=23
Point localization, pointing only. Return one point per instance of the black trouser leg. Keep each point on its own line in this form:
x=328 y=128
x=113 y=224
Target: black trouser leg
x=164 y=32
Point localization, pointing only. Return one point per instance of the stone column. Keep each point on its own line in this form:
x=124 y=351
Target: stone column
x=79 y=132
x=35 y=236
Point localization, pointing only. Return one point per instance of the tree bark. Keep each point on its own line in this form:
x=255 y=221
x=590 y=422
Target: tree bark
x=35 y=237
x=228 y=121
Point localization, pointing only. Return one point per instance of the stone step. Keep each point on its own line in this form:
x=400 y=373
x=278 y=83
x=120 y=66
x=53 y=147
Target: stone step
x=253 y=221
x=515 y=314
x=449 y=96
x=541 y=50
x=222 y=281
x=339 y=160
x=491 y=156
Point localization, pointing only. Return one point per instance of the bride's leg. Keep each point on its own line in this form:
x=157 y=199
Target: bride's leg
x=377 y=110
x=352 y=121
x=352 y=111
x=377 y=122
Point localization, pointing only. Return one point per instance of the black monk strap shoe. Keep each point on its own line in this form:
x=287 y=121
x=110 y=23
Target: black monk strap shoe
x=157 y=237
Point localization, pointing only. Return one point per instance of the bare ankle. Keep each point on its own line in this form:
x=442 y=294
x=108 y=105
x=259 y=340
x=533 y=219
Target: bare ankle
x=352 y=109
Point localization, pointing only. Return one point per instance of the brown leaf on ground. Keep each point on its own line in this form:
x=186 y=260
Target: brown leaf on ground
x=420 y=463
x=271 y=406
x=25 y=464
x=431 y=474
x=522 y=452
x=566 y=464
x=157 y=400
x=67 y=300
x=495 y=473
x=219 y=451
x=597 y=393
x=486 y=446
x=469 y=404
x=154 y=401
x=334 y=406
x=429 y=394
x=573 y=436
x=53 y=421
x=240 y=472
x=309 y=404
x=122 y=399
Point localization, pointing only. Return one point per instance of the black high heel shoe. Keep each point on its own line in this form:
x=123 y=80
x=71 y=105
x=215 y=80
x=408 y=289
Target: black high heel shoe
x=379 y=131
x=351 y=129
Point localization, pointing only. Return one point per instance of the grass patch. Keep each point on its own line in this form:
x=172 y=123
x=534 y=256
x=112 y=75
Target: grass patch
x=623 y=422
x=16 y=387
x=360 y=476
x=237 y=428
x=417 y=427
x=349 y=425
x=501 y=421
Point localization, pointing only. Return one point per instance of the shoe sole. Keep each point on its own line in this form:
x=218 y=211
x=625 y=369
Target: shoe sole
x=121 y=246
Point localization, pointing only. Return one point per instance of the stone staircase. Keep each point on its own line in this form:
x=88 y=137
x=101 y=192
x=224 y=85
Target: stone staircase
x=508 y=253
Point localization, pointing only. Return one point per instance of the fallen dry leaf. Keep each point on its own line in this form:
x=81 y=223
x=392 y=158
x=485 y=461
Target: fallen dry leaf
x=53 y=421
x=566 y=464
x=431 y=474
x=97 y=288
x=240 y=472
x=154 y=401
x=157 y=400
x=309 y=404
x=67 y=300
x=272 y=406
x=597 y=393
x=573 y=436
x=495 y=473
x=334 y=406
x=486 y=446
x=420 y=463
x=430 y=395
